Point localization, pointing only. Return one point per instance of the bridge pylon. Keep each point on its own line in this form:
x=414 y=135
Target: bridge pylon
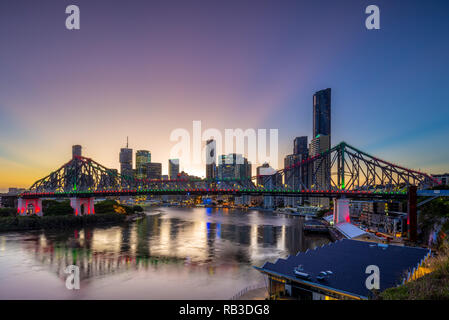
x=412 y=214
x=29 y=206
x=341 y=210
x=82 y=206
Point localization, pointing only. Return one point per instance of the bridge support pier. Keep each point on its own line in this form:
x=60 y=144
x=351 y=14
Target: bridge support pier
x=82 y=206
x=29 y=207
x=412 y=217
x=341 y=211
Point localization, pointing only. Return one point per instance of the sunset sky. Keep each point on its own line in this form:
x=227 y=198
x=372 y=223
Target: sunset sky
x=144 y=68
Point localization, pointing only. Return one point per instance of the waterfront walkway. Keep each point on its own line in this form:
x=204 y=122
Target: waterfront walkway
x=255 y=294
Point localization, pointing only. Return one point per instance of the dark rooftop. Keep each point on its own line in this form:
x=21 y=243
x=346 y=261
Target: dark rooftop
x=348 y=259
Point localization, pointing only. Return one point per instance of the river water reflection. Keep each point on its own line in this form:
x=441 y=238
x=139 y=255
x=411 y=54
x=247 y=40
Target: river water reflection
x=172 y=253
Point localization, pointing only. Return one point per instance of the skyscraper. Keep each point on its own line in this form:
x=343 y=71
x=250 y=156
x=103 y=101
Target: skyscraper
x=173 y=168
x=154 y=170
x=321 y=168
x=76 y=151
x=322 y=113
x=234 y=166
x=211 y=159
x=142 y=157
x=300 y=145
x=126 y=160
x=295 y=177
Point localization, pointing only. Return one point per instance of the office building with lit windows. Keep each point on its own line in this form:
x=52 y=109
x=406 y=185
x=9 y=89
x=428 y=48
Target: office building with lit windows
x=153 y=170
x=126 y=162
x=173 y=168
x=300 y=145
x=142 y=158
x=233 y=166
x=321 y=169
x=211 y=159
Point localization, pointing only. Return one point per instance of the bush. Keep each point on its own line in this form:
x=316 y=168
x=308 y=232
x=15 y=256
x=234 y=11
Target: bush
x=106 y=206
x=8 y=212
x=57 y=222
x=57 y=208
x=321 y=213
x=138 y=209
x=433 y=215
x=112 y=206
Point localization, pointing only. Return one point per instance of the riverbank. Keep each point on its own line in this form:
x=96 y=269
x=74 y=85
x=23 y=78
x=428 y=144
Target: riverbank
x=22 y=223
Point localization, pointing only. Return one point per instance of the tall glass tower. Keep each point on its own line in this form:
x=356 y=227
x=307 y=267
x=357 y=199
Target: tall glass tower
x=142 y=158
x=211 y=159
x=126 y=160
x=173 y=168
x=300 y=145
x=322 y=113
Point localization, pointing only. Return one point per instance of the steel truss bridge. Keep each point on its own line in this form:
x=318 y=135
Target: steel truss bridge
x=342 y=171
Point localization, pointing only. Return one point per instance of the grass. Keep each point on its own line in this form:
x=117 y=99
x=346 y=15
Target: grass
x=432 y=286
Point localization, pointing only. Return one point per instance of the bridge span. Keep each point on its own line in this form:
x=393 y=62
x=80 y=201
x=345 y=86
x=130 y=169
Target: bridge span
x=340 y=172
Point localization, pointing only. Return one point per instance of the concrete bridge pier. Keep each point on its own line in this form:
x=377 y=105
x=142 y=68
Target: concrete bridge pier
x=412 y=214
x=29 y=207
x=82 y=206
x=341 y=210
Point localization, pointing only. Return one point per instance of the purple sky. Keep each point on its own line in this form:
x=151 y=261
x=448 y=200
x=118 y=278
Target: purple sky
x=143 y=68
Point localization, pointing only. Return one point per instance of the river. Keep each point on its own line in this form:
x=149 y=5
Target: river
x=172 y=253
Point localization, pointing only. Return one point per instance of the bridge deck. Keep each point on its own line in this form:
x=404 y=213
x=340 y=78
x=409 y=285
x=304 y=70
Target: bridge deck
x=233 y=192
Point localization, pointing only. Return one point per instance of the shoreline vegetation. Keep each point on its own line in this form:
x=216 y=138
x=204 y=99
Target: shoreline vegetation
x=59 y=215
x=432 y=286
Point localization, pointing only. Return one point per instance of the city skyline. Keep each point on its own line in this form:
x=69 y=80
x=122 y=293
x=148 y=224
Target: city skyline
x=60 y=88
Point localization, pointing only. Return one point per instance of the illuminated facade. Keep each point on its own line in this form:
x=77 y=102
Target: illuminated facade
x=153 y=170
x=234 y=166
x=142 y=158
